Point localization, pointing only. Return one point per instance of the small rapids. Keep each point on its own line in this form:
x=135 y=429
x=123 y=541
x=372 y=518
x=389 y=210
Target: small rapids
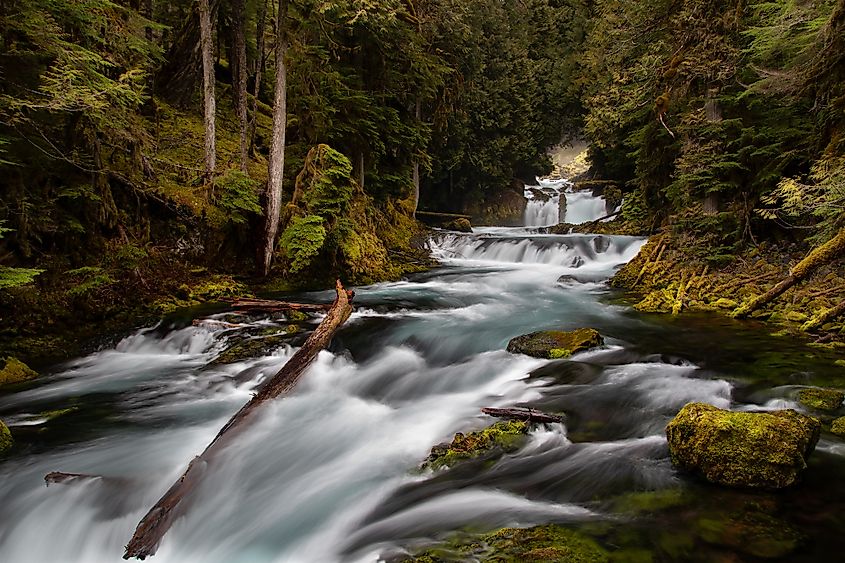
x=330 y=474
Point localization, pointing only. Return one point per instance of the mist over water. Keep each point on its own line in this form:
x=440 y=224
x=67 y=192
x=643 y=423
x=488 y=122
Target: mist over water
x=331 y=473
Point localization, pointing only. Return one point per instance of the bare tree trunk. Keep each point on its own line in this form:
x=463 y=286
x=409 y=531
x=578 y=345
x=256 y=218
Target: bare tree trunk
x=152 y=528
x=276 y=166
x=418 y=115
x=240 y=78
x=258 y=71
x=209 y=101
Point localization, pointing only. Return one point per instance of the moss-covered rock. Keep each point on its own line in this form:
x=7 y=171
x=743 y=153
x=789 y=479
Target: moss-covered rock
x=254 y=347
x=742 y=449
x=5 y=437
x=821 y=399
x=750 y=531
x=15 y=371
x=541 y=544
x=460 y=224
x=504 y=436
x=555 y=343
x=838 y=426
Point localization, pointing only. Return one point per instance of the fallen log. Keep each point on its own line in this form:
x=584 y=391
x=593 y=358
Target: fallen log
x=62 y=478
x=272 y=306
x=152 y=528
x=819 y=256
x=522 y=413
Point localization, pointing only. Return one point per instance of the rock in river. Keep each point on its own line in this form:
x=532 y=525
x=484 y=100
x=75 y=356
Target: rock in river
x=743 y=449
x=555 y=343
x=15 y=371
x=821 y=399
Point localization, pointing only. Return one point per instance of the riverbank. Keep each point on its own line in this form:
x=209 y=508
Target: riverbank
x=667 y=277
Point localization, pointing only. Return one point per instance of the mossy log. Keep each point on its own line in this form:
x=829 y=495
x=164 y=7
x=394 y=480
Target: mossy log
x=819 y=256
x=824 y=316
x=157 y=521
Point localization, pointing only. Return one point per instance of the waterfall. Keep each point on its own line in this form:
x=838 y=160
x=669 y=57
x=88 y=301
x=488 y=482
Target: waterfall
x=544 y=204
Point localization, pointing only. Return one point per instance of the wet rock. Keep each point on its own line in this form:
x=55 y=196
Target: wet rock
x=742 y=449
x=504 y=436
x=253 y=347
x=15 y=371
x=5 y=437
x=539 y=195
x=461 y=224
x=750 y=531
x=821 y=399
x=838 y=426
x=555 y=343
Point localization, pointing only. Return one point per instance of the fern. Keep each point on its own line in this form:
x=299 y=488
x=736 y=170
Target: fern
x=302 y=241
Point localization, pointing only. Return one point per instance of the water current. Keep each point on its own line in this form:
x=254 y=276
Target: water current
x=331 y=473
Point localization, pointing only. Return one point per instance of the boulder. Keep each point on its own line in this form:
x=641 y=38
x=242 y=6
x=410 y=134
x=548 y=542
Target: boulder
x=838 y=426
x=15 y=371
x=504 y=436
x=766 y=450
x=821 y=399
x=460 y=224
x=555 y=343
x=5 y=438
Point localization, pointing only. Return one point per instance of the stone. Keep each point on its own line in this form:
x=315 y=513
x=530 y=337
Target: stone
x=555 y=343
x=767 y=450
x=461 y=224
x=15 y=371
x=5 y=437
x=725 y=303
x=503 y=436
x=838 y=426
x=821 y=399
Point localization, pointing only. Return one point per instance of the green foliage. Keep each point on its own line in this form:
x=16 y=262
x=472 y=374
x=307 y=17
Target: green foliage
x=302 y=241
x=237 y=194
x=14 y=277
x=87 y=279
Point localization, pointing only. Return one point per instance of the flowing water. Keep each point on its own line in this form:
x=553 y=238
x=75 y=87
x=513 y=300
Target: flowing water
x=331 y=473
x=544 y=205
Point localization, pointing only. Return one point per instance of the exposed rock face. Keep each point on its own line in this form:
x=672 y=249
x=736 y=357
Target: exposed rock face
x=555 y=343
x=505 y=208
x=15 y=371
x=742 y=449
x=821 y=399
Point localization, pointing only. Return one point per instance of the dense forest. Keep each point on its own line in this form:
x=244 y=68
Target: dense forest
x=158 y=154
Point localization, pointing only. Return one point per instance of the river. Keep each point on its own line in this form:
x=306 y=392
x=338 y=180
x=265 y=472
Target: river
x=331 y=472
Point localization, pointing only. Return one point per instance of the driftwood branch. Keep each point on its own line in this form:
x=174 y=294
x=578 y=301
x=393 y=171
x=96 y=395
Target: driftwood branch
x=173 y=504
x=522 y=413
x=271 y=306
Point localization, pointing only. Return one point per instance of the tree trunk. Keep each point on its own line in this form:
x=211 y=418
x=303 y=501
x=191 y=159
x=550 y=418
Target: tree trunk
x=418 y=115
x=152 y=528
x=239 y=79
x=522 y=413
x=276 y=166
x=209 y=102
x=819 y=256
x=258 y=70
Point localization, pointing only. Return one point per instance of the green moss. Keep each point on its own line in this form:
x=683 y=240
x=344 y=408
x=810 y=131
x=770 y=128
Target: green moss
x=15 y=371
x=838 y=426
x=757 y=450
x=840 y=363
x=252 y=348
x=50 y=415
x=555 y=343
x=296 y=316
x=550 y=543
x=651 y=501
x=505 y=436
x=821 y=399
x=6 y=441
x=725 y=303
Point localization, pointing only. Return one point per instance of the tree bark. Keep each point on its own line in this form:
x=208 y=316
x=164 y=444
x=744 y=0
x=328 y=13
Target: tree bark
x=276 y=166
x=239 y=79
x=819 y=256
x=418 y=115
x=209 y=102
x=522 y=413
x=258 y=70
x=152 y=528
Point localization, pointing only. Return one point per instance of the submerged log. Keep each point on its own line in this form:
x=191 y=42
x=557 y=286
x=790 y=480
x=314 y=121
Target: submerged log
x=522 y=413
x=62 y=478
x=152 y=528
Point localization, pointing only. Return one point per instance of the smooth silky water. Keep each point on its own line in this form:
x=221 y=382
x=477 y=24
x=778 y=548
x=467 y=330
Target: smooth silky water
x=331 y=472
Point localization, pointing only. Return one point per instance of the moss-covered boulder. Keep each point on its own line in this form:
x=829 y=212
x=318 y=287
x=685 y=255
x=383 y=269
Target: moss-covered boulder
x=742 y=449
x=503 y=436
x=5 y=437
x=750 y=531
x=838 y=426
x=542 y=544
x=555 y=343
x=15 y=371
x=821 y=399
x=460 y=224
